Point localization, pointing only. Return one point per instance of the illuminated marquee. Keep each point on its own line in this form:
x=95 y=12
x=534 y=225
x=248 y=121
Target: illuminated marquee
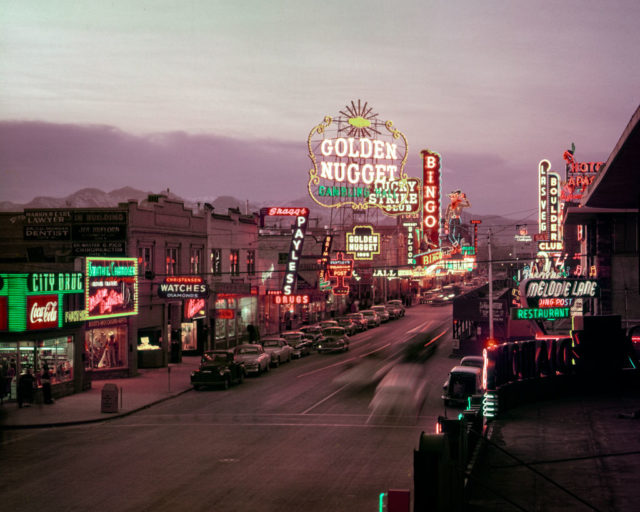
x=363 y=243
x=431 y=184
x=353 y=155
x=549 y=218
x=111 y=287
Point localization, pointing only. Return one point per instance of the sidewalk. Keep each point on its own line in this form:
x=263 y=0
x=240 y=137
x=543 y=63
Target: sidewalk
x=569 y=453
x=151 y=386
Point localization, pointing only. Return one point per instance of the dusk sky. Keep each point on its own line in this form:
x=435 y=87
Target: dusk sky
x=212 y=98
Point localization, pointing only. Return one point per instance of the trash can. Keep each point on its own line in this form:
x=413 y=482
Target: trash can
x=109 y=398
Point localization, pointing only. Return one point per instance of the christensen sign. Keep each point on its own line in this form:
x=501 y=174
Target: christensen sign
x=354 y=155
x=183 y=287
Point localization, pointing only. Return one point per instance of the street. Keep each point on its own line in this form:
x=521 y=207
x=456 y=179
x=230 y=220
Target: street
x=292 y=439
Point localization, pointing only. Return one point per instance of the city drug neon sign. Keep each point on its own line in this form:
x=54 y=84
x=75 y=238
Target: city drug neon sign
x=353 y=155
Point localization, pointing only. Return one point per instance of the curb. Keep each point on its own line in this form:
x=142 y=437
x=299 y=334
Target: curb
x=93 y=420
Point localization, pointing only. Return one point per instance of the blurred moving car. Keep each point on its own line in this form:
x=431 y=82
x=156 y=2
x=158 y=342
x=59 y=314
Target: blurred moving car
x=359 y=320
x=255 y=359
x=348 y=324
x=401 y=392
x=462 y=383
x=278 y=349
x=296 y=340
x=364 y=371
x=397 y=305
x=335 y=339
x=477 y=361
x=218 y=368
x=373 y=320
x=382 y=311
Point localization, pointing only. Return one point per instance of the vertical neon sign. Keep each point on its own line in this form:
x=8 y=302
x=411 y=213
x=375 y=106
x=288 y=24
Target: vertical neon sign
x=295 y=250
x=431 y=179
x=549 y=218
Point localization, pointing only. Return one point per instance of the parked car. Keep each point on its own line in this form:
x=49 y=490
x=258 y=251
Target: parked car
x=296 y=340
x=382 y=312
x=348 y=324
x=397 y=305
x=373 y=320
x=462 y=383
x=335 y=340
x=328 y=323
x=312 y=333
x=255 y=359
x=359 y=319
x=218 y=368
x=477 y=361
x=278 y=349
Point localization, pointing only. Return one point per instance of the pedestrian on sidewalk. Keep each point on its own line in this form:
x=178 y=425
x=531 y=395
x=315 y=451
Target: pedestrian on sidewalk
x=46 y=384
x=25 y=388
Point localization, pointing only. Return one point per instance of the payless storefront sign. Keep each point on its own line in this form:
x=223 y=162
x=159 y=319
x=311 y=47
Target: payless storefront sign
x=111 y=287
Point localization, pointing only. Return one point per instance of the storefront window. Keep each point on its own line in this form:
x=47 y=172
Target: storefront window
x=189 y=336
x=57 y=353
x=106 y=347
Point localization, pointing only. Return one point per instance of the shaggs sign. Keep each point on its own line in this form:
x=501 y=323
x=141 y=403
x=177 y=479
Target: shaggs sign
x=358 y=161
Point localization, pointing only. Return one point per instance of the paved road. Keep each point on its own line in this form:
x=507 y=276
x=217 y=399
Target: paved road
x=293 y=439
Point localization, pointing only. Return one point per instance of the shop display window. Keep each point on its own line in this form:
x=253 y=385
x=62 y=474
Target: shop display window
x=106 y=348
x=189 y=336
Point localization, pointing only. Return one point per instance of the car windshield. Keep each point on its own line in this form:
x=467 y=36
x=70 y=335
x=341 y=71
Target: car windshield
x=214 y=357
x=333 y=332
x=249 y=350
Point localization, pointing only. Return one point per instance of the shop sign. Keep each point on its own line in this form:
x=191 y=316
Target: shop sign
x=429 y=258
x=363 y=243
x=111 y=287
x=412 y=237
x=390 y=273
x=59 y=282
x=295 y=251
x=42 y=312
x=498 y=310
x=324 y=260
x=291 y=299
x=355 y=154
x=340 y=269
x=561 y=288
x=4 y=314
x=539 y=313
x=400 y=197
x=183 y=287
x=194 y=308
x=549 y=218
x=579 y=176
x=225 y=314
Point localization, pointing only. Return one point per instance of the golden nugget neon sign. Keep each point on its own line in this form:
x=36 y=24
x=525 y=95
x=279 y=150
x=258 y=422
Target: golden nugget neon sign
x=354 y=156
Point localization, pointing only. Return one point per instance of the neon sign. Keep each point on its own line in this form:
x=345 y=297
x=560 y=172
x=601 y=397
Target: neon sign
x=411 y=240
x=431 y=179
x=61 y=282
x=194 y=307
x=549 y=221
x=540 y=313
x=295 y=250
x=579 y=176
x=363 y=243
x=398 y=197
x=183 y=287
x=562 y=288
x=42 y=312
x=353 y=155
x=291 y=299
x=340 y=269
x=111 y=287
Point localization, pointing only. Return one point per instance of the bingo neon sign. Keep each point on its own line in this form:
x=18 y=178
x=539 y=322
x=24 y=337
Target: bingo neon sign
x=357 y=160
x=431 y=184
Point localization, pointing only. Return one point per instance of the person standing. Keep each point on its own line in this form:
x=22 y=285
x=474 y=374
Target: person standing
x=46 y=384
x=25 y=388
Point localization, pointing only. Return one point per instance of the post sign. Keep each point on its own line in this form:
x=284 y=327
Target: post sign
x=111 y=287
x=358 y=161
x=340 y=269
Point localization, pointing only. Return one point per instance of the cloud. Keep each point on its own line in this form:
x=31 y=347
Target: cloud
x=39 y=158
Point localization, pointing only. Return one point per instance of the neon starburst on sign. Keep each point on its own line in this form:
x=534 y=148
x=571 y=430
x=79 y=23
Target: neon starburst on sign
x=361 y=121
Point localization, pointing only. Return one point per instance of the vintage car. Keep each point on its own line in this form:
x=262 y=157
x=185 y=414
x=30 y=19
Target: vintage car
x=382 y=311
x=401 y=392
x=327 y=323
x=335 y=340
x=348 y=324
x=396 y=308
x=298 y=342
x=278 y=349
x=462 y=383
x=255 y=359
x=477 y=361
x=358 y=318
x=218 y=368
x=312 y=333
x=373 y=319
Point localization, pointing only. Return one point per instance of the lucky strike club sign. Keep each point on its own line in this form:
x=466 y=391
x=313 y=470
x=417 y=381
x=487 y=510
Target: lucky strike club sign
x=358 y=161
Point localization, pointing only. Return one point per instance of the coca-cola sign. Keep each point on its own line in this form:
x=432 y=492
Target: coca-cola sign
x=42 y=312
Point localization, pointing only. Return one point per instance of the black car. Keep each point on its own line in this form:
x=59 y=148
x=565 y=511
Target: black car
x=218 y=368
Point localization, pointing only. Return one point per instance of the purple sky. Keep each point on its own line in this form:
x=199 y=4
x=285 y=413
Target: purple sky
x=217 y=98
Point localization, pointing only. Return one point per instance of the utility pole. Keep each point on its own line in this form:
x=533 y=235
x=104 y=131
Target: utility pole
x=490 y=288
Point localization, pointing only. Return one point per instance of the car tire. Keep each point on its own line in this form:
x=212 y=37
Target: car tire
x=267 y=368
x=241 y=377
x=226 y=384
